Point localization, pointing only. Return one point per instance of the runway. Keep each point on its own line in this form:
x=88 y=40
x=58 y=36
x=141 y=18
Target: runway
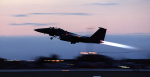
x=30 y=70
x=74 y=73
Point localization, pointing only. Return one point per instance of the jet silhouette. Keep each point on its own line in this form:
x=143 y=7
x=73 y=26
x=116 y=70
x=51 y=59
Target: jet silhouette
x=97 y=37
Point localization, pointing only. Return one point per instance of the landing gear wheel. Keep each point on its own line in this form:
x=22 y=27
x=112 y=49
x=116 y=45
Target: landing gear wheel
x=51 y=38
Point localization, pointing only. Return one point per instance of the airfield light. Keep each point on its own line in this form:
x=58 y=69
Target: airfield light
x=92 y=52
x=30 y=60
x=53 y=60
x=12 y=60
x=61 y=60
x=8 y=60
x=57 y=61
x=48 y=60
x=83 y=52
x=124 y=67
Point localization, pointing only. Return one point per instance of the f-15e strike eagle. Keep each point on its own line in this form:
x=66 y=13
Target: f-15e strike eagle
x=97 y=37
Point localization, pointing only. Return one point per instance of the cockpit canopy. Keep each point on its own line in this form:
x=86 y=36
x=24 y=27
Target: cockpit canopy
x=54 y=28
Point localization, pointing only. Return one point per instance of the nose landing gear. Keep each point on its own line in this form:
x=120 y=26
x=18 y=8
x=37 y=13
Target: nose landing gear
x=52 y=37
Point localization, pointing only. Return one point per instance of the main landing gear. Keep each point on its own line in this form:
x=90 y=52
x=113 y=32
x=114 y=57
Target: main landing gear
x=52 y=37
x=73 y=42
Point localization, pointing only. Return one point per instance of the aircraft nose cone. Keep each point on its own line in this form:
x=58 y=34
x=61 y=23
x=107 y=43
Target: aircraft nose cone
x=38 y=30
x=42 y=30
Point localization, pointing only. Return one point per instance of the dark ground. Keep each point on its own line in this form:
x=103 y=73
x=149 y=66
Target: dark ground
x=76 y=74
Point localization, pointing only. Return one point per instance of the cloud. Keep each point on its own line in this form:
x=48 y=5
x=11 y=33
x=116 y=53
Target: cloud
x=24 y=15
x=35 y=24
x=74 y=14
x=20 y=15
x=61 y=13
x=43 y=13
x=103 y=4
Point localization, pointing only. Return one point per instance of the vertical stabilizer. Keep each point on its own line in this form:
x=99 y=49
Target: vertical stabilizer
x=99 y=34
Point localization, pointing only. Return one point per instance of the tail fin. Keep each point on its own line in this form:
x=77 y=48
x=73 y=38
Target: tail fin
x=99 y=34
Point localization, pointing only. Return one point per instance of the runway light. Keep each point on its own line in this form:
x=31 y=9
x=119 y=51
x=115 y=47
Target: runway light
x=8 y=60
x=57 y=61
x=119 y=45
x=48 y=60
x=92 y=52
x=53 y=60
x=61 y=60
x=30 y=60
x=83 y=52
x=124 y=67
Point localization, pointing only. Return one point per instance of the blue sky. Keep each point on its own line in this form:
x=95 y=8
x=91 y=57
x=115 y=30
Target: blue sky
x=34 y=46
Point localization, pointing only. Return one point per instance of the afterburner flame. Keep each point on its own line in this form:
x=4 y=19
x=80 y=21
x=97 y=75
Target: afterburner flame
x=119 y=45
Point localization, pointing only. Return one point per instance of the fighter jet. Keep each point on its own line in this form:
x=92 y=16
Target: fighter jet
x=98 y=37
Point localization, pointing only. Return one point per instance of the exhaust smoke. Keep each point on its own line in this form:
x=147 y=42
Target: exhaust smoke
x=119 y=45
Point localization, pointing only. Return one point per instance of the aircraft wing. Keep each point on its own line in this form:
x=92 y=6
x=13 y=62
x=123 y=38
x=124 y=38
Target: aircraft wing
x=71 y=37
x=69 y=34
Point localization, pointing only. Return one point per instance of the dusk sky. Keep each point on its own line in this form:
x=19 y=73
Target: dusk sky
x=129 y=20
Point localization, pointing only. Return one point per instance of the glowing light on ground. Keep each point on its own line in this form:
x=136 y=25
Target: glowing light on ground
x=119 y=45
x=85 y=53
x=92 y=52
